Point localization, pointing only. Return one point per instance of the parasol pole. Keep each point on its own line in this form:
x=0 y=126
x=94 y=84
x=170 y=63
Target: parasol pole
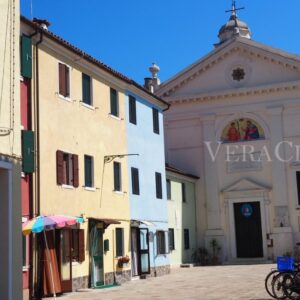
x=50 y=264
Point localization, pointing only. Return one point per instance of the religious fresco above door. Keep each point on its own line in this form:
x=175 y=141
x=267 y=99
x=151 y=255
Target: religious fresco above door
x=243 y=129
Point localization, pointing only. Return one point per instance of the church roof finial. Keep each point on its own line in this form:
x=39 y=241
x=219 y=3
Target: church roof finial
x=234 y=27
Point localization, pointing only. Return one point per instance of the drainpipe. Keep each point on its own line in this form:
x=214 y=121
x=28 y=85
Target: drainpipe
x=35 y=211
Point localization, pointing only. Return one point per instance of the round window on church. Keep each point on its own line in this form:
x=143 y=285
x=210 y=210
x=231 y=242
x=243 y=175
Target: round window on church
x=238 y=74
x=243 y=129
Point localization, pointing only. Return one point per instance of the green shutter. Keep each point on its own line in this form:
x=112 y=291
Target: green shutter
x=26 y=56
x=86 y=89
x=117 y=176
x=27 y=151
x=88 y=171
x=114 y=106
x=119 y=242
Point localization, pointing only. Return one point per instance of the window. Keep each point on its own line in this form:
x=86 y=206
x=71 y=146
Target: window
x=183 y=192
x=169 y=195
x=155 y=120
x=117 y=176
x=161 y=242
x=171 y=239
x=135 y=181
x=158 y=185
x=64 y=80
x=67 y=169
x=86 y=89
x=186 y=239
x=88 y=171
x=298 y=185
x=114 y=102
x=132 y=110
x=24 y=251
x=74 y=239
x=119 y=241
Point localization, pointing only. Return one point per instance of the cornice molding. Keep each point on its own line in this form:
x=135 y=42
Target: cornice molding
x=214 y=58
x=233 y=93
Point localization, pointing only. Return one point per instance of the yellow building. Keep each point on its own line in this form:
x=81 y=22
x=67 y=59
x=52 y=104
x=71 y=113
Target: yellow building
x=80 y=128
x=10 y=153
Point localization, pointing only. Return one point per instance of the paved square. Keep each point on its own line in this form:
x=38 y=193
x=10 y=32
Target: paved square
x=244 y=282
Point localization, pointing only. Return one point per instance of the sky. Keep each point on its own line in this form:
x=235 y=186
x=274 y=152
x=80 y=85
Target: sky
x=129 y=35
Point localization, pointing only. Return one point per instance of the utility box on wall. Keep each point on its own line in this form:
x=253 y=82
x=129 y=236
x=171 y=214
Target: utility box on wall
x=106 y=245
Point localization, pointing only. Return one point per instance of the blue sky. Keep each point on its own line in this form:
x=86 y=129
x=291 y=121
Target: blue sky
x=129 y=35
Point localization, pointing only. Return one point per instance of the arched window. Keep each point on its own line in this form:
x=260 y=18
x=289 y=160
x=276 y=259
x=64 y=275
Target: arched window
x=243 y=129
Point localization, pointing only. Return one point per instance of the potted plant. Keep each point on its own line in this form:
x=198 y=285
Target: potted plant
x=215 y=251
x=123 y=260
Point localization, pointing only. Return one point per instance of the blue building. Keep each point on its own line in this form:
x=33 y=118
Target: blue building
x=147 y=186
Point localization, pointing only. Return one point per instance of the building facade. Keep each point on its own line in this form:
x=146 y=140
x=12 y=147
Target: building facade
x=147 y=193
x=82 y=146
x=10 y=153
x=234 y=121
x=181 y=216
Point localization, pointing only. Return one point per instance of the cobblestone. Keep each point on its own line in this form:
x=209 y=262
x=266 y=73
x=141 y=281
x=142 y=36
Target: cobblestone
x=238 y=282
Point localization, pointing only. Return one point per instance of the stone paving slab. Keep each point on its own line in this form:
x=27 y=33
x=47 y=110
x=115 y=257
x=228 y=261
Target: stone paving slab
x=238 y=282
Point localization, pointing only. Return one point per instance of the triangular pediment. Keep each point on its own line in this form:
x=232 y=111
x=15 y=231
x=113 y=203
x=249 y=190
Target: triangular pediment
x=238 y=64
x=246 y=185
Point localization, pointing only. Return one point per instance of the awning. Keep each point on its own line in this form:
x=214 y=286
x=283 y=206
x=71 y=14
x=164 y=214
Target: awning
x=143 y=222
x=106 y=222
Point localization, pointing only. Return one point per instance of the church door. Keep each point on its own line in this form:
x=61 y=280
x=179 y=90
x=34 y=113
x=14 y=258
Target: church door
x=248 y=230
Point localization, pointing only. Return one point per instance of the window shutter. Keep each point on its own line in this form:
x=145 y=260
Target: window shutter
x=27 y=151
x=59 y=167
x=117 y=176
x=167 y=243
x=119 y=242
x=114 y=108
x=135 y=181
x=62 y=79
x=132 y=110
x=67 y=80
x=75 y=170
x=158 y=185
x=183 y=191
x=86 y=89
x=26 y=56
x=88 y=171
x=81 y=246
x=155 y=120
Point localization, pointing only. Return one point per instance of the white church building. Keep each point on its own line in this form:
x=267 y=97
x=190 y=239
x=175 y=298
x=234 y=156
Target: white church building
x=234 y=121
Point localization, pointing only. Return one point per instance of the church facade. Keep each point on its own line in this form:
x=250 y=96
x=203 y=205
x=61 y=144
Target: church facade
x=234 y=121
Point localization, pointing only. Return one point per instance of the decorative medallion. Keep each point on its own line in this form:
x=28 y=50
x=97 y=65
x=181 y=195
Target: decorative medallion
x=238 y=74
x=247 y=210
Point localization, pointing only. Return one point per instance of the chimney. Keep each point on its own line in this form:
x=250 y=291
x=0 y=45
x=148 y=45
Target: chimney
x=152 y=83
x=44 y=24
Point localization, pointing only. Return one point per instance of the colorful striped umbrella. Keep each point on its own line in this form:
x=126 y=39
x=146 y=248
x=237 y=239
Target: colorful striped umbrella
x=44 y=223
x=51 y=222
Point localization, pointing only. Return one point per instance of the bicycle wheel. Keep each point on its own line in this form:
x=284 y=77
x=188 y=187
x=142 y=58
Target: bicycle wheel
x=268 y=282
x=278 y=282
x=290 y=286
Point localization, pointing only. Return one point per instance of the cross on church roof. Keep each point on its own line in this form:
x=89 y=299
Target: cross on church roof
x=233 y=10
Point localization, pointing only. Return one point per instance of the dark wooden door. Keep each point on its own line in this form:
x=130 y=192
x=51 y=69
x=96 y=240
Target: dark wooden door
x=248 y=230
